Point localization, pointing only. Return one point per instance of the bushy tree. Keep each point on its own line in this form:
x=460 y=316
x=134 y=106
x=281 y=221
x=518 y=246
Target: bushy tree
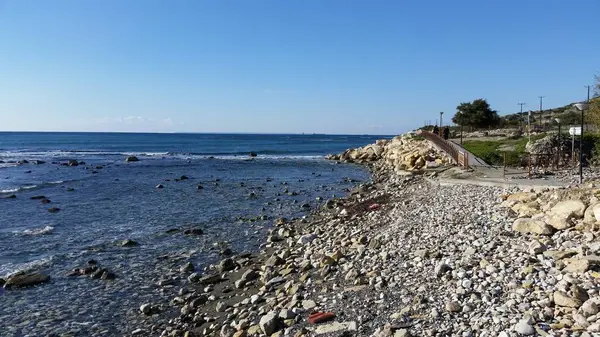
x=477 y=114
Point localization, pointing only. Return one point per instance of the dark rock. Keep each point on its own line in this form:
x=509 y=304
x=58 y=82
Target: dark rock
x=210 y=279
x=305 y=206
x=72 y=163
x=28 y=171
x=131 y=159
x=172 y=230
x=226 y=265
x=252 y=195
x=107 y=275
x=70 y=189
x=74 y=272
x=2 y=282
x=46 y=201
x=128 y=243
x=226 y=252
x=12 y=196
x=38 y=162
x=187 y=268
x=183 y=178
x=97 y=274
x=193 y=231
x=200 y=300
x=92 y=262
x=53 y=209
x=200 y=187
x=253 y=154
x=25 y=280
x=37 y=197
x=159 y=186
x=81 y=163
x=24 y=161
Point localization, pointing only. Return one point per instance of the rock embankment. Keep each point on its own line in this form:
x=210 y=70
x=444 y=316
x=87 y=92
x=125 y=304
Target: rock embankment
x=402 y=153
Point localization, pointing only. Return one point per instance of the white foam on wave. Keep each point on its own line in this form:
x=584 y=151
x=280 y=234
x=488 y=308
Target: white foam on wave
x=38 y=231
x=13 y=190
x=11 y=268
x=9 y=190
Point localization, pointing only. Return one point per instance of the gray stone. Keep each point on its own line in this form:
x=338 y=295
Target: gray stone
x=269 y=323
x=524 y=328
x=146 y=309
x=226 y=265
x=25 y=280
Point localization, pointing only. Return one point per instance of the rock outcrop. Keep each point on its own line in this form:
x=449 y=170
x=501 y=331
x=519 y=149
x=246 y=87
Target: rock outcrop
x=402 y=153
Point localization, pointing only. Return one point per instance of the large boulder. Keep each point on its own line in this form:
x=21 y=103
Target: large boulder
x=25 y=279
x=532 y=226
x=522 y=196
x=567 y=209
x=131 y=159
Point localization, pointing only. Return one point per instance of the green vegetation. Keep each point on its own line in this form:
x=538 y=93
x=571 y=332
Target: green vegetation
x=476 y=114
x=491 y=151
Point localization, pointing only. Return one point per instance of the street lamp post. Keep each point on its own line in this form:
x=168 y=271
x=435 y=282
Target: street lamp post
x=582 y=107
x=441 y=113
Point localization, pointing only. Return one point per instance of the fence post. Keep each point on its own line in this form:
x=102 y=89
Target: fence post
x=504 y=166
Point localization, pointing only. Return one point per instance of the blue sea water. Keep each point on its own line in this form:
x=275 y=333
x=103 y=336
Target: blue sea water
x=104 y=200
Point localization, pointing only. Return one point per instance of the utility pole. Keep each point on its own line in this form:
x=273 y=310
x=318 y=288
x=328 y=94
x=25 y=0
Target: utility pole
x=528 y=120
x=441 y=113
x=588 y=88
x=541 y=111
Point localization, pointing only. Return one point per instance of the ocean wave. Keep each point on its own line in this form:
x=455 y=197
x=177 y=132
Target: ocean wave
x=12 y=268
x=31 y=187
x=37 y=231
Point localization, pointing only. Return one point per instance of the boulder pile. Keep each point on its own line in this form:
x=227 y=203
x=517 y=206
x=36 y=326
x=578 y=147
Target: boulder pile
x=402 y=153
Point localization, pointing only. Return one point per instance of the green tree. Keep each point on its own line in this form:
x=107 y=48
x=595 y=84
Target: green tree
x=477 y=114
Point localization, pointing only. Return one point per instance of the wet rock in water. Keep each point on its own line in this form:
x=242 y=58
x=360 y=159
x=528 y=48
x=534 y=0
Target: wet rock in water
x=186 y=268
x=172 y=230
x=128 y=243
x=305 y=206
x=53 y=209
x=226 y=252
x=226 y=265
x=70 y=189
x=183 y=178
x=193 y=231
x=38 y=162
x=253 y=154
x=200 y=187
x=2 y=282
x=12 y=196
x=92 y=262
x=72 y=163
x=252 y=195
x=131 y=159
x=25 y=280
x=146 y=309
x=28 y=171
x=160 y=186
x=107 y=275
x=46 y=201
x=38 y=197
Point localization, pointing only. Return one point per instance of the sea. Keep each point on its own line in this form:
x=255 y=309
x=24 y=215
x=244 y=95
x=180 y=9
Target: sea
x=209 y=181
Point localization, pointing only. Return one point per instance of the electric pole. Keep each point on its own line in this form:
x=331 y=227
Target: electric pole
x=541 y=111
x=528 y=120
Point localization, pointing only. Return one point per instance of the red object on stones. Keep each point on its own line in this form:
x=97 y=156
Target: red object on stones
x=374 y=206
x=320 y=317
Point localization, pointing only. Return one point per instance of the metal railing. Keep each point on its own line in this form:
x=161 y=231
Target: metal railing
x=460 y=158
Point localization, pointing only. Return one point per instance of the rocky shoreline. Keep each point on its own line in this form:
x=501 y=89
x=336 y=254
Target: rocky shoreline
x=402 y=256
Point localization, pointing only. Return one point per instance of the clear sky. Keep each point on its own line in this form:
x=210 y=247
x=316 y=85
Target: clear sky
x=324 y=66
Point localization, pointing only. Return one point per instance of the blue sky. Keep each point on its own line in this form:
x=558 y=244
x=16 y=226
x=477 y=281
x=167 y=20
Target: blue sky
x=379 y=67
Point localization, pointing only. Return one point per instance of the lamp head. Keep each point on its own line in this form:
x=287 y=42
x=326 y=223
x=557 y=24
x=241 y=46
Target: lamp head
x=557 y=120
x=582 y=106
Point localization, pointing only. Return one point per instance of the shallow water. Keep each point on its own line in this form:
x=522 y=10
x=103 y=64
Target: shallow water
x=107 y=200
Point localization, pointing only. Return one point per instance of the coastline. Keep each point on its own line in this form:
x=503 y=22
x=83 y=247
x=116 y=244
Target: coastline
x=405 y=256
